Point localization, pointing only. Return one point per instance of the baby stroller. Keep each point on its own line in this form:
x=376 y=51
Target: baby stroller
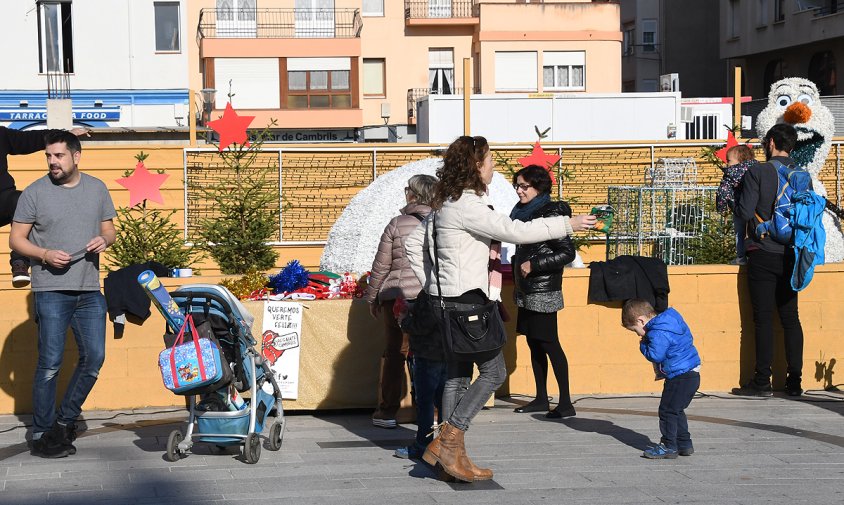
x=231 y=324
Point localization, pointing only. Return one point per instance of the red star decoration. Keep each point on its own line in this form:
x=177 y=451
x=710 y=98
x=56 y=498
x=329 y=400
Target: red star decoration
x=231 y=127
x=143 y=185
x=731 y=141
x=538 y=157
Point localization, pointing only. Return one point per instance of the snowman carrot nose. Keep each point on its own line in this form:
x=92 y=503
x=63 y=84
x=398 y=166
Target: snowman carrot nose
x=797 y=113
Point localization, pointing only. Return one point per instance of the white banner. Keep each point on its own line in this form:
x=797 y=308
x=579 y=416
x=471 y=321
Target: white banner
x=280 y=338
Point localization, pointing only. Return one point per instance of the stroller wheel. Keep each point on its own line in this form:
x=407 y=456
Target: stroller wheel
x=276 y=435
x=252 y=448
x=173 y=453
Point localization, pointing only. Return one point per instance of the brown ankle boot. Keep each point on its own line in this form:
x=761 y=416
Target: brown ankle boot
x=478 y=472
x=448 y=451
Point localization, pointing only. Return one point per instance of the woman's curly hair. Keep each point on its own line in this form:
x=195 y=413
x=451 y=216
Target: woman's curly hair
x=460 y=169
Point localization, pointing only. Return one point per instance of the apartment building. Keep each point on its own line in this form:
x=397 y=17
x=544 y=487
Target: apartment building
x=681 y=37
x=122 y=63
x=342 y=70
x=772 y=39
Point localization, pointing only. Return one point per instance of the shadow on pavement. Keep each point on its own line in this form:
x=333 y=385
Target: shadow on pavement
x=624 y=435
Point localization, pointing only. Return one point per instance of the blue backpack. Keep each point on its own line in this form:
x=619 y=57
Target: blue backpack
x=791 y=179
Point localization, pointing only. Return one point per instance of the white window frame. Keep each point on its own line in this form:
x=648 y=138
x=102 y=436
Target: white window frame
x=568 y=60
x=439 y=8
x=314 y=19
x=367 y=11
x=43 y=62
x=237 y=18
x=511 y=65
x=155 y=6
x=650 y=26
x=441 y=69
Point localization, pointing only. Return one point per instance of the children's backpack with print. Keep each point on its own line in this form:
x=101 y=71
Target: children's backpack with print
x=791 y=179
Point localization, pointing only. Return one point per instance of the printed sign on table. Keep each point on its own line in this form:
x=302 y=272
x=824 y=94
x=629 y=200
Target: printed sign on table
x=280 y=338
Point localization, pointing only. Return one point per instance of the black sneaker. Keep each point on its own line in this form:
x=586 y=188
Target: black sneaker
x=793 y=389
x=751 y=389
x=686 y=451
x=20 y=274
x=49 y=446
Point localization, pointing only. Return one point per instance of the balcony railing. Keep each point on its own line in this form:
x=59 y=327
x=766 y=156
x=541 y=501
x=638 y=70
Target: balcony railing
x=830 y=7
x=415 y=94
x=279 y=23
x=439 y=9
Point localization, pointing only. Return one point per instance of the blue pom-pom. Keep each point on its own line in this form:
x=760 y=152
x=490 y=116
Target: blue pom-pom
x=291 y=278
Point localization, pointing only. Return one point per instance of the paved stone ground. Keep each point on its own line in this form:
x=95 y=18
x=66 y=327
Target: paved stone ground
x=748 y=451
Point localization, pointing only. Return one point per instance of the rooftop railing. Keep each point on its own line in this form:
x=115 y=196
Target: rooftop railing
x=279 y=23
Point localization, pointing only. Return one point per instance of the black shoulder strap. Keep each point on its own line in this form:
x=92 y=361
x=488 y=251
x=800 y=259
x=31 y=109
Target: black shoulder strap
x=418 y=216
x=437 y=261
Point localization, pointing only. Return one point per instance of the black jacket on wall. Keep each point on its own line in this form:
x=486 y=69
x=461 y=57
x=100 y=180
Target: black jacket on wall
x=630 y=277
x=124 y=295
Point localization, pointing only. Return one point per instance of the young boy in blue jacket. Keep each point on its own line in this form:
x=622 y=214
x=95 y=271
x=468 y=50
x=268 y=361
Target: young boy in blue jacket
x=667 y=343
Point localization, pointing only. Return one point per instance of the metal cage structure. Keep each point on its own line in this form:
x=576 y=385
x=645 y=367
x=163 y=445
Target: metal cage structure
x=660 y=222
x=672 y=172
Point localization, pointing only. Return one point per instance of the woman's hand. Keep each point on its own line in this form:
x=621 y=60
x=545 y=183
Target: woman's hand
x=583 y=222
x=524 y=268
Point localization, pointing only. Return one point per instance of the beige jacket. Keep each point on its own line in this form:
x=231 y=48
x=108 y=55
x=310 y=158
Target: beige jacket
x=465 y=228
x=391 y=275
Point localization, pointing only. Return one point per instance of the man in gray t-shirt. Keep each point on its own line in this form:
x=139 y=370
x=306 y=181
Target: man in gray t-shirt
x=63 y=222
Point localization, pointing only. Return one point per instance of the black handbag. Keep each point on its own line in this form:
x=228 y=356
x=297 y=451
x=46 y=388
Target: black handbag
x=421 y=319
x=467 y=332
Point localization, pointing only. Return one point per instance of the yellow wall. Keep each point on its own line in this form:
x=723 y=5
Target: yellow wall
x=602 y=356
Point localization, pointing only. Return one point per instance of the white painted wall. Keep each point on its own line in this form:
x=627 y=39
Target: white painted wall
x=573 y=117
x=113 y=47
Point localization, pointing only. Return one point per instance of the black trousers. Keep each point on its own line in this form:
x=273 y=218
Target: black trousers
x=8 y=204
x=769 y=276
x=677 y=394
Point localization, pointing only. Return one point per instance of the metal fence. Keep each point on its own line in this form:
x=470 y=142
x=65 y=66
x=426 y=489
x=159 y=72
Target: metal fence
x=316 y=183
x=279 y=23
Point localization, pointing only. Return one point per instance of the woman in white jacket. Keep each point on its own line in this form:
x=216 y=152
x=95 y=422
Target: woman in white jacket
x=467 y=230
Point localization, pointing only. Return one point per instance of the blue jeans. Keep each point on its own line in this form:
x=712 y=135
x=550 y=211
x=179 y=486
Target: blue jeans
x=463 y=399
x=428 y=382
x=85 y=313
x=677 y=394
x=739 y=226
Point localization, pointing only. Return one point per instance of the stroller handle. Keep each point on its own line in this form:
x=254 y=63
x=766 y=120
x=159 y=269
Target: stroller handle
x=224 y=306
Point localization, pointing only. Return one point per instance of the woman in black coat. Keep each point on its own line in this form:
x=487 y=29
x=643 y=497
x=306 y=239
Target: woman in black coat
x=538 y=274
